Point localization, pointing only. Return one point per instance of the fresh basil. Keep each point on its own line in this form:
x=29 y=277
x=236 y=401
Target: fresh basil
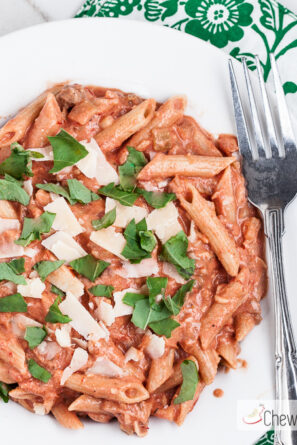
x=175 y=252
x=107 y=220
x=158 y=200
x=19 y=163
x=164 y=327
x=12 y=191
x=147 y=240
x=4 y=391
x=190 y=381
x=175 y=303
x=7 y=272
x=113 y=191
x=54 y=314
x=133 y=250
x=44 y=268
x=57 y=291
x=89 y=267
x=129 y=170
x=57 y=189
x=34 y=336
x=101 y=290
x=17 y=266
x=67 y=150
x=13 y=303
x=156 y=286
x=131 y=298
x=144 y=314
x=34 y=227
x=38 y=372
x=80 y=193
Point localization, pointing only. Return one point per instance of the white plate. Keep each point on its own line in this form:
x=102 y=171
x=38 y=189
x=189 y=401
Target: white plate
x=158 y=62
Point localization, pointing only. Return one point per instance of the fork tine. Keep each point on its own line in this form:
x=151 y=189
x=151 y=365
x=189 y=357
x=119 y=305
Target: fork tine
x=275 y=151
x=259 y=150
x=283 y=113
x=242 y=131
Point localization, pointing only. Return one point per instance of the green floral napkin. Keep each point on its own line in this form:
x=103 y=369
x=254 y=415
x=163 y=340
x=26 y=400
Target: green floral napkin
x=239 y=27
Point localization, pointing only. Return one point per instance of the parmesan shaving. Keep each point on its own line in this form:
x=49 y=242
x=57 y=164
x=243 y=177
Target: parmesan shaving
x=105 y=312
x=164 y=222
x=9 y=224
x=78 y=361
x=65 y=219
x=110 y=240
x=146 y=268
x=104 y=366
x=125 y=214
x=63 y=246
x=121 y=308
x=156 y=346
x=32 y=289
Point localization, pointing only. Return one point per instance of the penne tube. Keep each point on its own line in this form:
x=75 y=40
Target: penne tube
x=174 y=380
x=87 y=403
x=100 y=417
x=244 y=323
x=125 y=126
x=229 y=352
x=231 y=296
x=46 y=124
x=161 y=369
x=165 y=166
x=13 y=354
x=15 y=129
x=170 y=112
x=121 y=390
x=227 y=143
x=7 y=210
x=224 y=198
x=208 y=361
x=5 y=374
x=209 y=224
x=66 y=418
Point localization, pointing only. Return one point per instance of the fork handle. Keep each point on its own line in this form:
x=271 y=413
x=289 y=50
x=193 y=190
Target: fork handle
x=285 y=349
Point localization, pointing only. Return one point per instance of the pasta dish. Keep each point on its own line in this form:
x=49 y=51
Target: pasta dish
x=131 y=263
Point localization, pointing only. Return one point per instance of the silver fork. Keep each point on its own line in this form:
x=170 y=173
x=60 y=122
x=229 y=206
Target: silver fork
x=271 y=175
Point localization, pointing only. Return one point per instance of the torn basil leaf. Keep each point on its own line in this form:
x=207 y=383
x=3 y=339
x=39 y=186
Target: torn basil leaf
x=34 y=336
x=101 y=290
x=133 y=250
x=131 y=298
x=17 y=266
x=147 y=240
x=158 y=200
x=34 y=227
x=175 y=303
x=11 y=272
x=38 y=372
x=67 y=150
x=12 y=191
x=13 y=303
x=190 y=381
x=80 y=193
x=19 y=163
x=46 y=267
x=57 y=189
x=144 y=314
x=89 y=267
x=156 y=287
x=57 y=291
x=164 y=327
x=113 y=191
x=129 y=170
x=107 y=220
x=54 y=314
x=174 y=251
x=4 y=391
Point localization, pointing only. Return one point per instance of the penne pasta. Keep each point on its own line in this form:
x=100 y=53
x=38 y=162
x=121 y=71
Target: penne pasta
x=15 y=129
x=168 y=113
x=161 y=369
x=228 y=351
x=165 y=166
x=208 y=361
x=224 y=198
x=7 y=210
x=113 y=136
x=231 y=296
x=125 y=390
x=66 y=418
x=244 y=323
x=209 y=224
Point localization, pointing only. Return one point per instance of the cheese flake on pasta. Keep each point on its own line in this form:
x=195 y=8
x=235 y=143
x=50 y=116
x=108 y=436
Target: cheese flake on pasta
x=146 y=268
x=64 y=246
x=9 y=224
x=65 y=219
x=105 y=312
x=164 y=222
x=125 y=214
x=79 y=359
x=32 y=289
x=156 y=346
x=110 y=240
x=121 y=308
x=104 y=366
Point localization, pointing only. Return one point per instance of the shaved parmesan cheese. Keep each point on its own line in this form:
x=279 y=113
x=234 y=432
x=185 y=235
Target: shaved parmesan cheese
x=132 y=354
x=82 y=321
x=32 y=289
x=10 y=249
x=125 y=214
x=64 y=246
x=104 y=366
x=95 y=165
x=146 y=268
x=20 y=322
x=39 y=409
x=28 y=187
x=148 y=186
x=79 y=359
x=28 y=251
x=64 y=279
x=156 y=346
x=164 y=222
x=171 y=271
x=110 y=240
x=82 y=343
x=121 y=308
x=49 y=349
x=63 y=336
x=47 y=153
x=65 y=219
x=193 y=236
x=9 y=224
x=105 y=312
